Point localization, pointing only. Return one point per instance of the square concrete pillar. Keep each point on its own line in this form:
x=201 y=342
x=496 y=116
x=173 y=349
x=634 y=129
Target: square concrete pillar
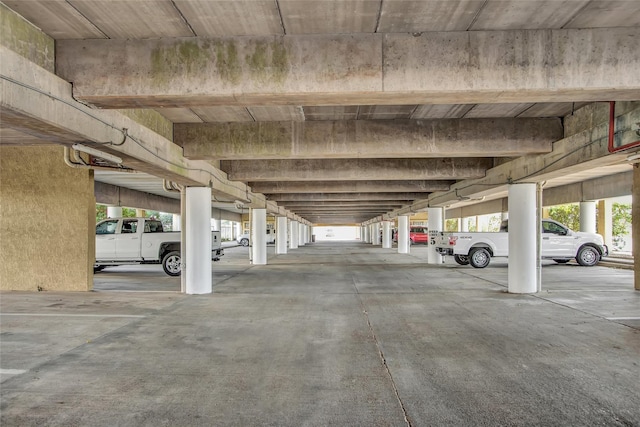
x=47 y=221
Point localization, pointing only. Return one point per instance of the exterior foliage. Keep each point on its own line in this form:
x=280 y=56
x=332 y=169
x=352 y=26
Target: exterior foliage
x=621 y=218
x=568 y=215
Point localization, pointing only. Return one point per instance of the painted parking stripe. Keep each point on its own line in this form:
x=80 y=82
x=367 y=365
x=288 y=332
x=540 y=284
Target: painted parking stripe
x=12 y=371
x=72 y=315
x=623 y=318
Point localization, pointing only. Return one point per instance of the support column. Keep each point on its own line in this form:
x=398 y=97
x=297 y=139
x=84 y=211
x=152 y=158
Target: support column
x=435 y=224
x=175 y=223
x=465 y=225
x=259 y=236
x=142 y=213
x=376 y=234
x=281 y=235
x=588 y=216
x=114 y=211
x=300 y=234
x=237 y=229
x=217 y=224
x=366 y=233
x=522 y=239
x=197 y=262
x=37 y=188
x=403 y=234
x=293 y=235
x=635 y=225
x=605 y=221
x=386 y=234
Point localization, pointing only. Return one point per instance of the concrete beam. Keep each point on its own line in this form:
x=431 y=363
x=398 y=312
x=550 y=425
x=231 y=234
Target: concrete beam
x=35 y=102
x=336 y=203
x=327 y=197
x=594 y=189
x=376 y=138
x=373 y=186
x=576 y=153
x=355 y=169
x=462 y=67
x=114 y=195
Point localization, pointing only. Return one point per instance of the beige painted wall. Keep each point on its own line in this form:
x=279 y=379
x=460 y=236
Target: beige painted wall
x=47 y=221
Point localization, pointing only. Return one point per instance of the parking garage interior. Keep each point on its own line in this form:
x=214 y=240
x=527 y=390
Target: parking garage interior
x=302 y=118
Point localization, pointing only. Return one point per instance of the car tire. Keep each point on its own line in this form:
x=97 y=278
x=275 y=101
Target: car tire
x=97 y=268
x=588 y=256
x=461 y=259
x=562 y=261
x=244 y=242
x=479 y=257
x=411 y=242
x=172 y=263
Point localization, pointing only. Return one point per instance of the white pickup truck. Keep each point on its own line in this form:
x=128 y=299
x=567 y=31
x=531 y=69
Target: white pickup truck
x=143 y=241
x=558 y=243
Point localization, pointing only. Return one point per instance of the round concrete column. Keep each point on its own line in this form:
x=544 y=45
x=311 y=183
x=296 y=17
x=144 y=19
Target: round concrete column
x=300 y=234
x=403 y=234
x=259 y=236
x=175 y=223
x=376 y=234
x=588 y=216
x=435 y=224
x=465 y=225
x=196 y=263
x=386 y=234
x=293 y=235
x=281 y=235
x=523 y=261
x=114 y=211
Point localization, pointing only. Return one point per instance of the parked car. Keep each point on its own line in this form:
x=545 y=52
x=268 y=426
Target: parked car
x=244 y=239
x=417 y=234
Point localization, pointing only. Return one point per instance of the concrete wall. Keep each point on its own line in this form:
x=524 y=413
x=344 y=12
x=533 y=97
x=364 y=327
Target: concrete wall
x=47 y=221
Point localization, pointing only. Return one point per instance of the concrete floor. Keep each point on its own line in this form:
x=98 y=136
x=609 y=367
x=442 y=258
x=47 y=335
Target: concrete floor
x=330 y=334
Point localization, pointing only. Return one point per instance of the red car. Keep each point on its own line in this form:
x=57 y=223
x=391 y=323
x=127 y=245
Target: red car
x=417 y=234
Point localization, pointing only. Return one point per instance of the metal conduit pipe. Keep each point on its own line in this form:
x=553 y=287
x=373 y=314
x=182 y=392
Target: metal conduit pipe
x=77 y=163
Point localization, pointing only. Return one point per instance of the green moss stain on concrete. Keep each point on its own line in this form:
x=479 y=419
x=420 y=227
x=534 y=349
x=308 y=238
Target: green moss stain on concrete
x=227 y=63
x=227 y=59
x=258 y=60
x=23 y=38
x=182 y=59
x=153 y=120
x=280 y=62
x=269 y=62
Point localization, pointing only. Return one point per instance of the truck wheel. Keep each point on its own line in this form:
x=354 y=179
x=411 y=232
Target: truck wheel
x=171 y=263
x=461 y=259
x=244 y=242
x=479 y=257
x=562 y=261
x=588 y=256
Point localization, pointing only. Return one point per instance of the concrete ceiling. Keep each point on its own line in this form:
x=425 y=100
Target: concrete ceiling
x=136 y=21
